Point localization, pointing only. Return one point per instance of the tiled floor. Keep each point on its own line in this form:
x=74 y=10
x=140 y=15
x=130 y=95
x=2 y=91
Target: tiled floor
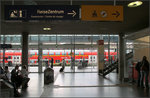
x=85 y=79
x=81 y=85
x=36 y=85
x=91 y=85
x=35 y=88
x=67 y=69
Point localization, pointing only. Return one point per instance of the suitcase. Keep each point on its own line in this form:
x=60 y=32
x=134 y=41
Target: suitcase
x=48 y=75
x=61 y=70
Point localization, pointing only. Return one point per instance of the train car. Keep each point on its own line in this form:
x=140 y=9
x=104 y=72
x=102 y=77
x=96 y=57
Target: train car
x=14 y=56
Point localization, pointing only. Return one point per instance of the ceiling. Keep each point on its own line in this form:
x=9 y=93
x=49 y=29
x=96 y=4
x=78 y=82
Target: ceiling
x=135 y=19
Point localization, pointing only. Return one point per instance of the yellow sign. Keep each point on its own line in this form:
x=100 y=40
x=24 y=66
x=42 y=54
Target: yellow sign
x=101 y=13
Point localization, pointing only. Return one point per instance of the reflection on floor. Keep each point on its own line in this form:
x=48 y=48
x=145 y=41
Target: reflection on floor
x=91 y=85
x=35 y=88
x=67 y=69
x=85 y=79
x=81 y=85
x=36 y=85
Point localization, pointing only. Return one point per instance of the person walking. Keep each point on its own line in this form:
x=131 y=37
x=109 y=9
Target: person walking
x=144 y=72
x=52 y=61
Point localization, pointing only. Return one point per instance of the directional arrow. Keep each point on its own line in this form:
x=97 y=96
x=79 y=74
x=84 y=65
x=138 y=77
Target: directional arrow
x=117 y=14
x=73 y=13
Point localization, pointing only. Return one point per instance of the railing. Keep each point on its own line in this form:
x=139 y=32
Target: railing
x=114 y=65
x=129 y=55
x=110 y=68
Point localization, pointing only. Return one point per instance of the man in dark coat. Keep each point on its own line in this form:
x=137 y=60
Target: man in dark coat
x=145 y=71
x=138 y=69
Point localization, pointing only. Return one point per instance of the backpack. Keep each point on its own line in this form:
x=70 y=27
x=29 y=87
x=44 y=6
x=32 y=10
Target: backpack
x=138 y=66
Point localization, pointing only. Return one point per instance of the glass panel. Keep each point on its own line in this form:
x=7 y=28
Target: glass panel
x=33 y=53
x=74 y=49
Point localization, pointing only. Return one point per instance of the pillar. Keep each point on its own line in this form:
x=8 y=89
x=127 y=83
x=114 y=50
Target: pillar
x=109 y=57
x=4 y=39
x=39 y=55
x=121 y=57
x=100 y=56
x=126 y=63
x=25 y=49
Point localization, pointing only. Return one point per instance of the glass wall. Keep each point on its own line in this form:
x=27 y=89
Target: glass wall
x=11 y=56
x=79 y=51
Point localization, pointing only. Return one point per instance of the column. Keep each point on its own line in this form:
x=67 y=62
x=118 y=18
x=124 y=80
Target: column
x=109 y=59
x=25 y=49
x=39 y=55
x=74 y=55
x=4 y=39
x=127 y=62
x=100 y=56
x=121 y=57
x=117 y=55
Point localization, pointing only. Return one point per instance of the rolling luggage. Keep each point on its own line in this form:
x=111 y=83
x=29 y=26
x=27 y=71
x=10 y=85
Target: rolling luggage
x=61 y=70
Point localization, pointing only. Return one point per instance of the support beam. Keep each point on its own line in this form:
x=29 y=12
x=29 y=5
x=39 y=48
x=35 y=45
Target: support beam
x=121 y=56
x=39 y=55
x=25 y=49
x=4 y=39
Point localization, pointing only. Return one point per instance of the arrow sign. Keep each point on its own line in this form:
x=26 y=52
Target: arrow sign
x=42 y=12
x=117 y=14
x=73 y=13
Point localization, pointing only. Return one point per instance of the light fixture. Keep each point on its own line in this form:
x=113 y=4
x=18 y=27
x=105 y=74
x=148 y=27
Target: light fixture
x=46 y=29
x=135 y=4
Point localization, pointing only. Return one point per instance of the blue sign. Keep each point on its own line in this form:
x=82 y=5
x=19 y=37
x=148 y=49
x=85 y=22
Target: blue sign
x=41 y=12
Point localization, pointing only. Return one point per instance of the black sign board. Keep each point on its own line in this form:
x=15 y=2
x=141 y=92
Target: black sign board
x=41 y=12
x=3 y=46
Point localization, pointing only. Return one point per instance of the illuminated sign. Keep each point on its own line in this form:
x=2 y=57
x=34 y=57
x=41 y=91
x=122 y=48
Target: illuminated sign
x=41 y=12
x=101 y=13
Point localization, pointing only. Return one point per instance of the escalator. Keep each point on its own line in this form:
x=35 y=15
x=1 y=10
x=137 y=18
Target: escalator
x=108 y=69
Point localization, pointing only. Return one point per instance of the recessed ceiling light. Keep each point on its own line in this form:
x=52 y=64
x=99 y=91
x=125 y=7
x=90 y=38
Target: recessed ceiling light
x=46 y=29
x=135 y=4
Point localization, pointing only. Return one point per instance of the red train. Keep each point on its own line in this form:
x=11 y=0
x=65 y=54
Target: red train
x=14 y=56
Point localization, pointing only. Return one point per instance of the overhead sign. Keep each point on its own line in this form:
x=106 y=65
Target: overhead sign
x=3 y=46
x=101 y=13
x=41 y=12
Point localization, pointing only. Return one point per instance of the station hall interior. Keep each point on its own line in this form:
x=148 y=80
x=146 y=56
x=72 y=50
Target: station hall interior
x=100 y=41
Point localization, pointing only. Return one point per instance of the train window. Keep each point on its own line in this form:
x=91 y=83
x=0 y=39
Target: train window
x=9 y=57
x=57 y=61
x=82 y=53
x=94 y=57
x=91 y=57
x=51 y=53
x=57 y=53
x=76 y=61
x=31 y=61
x=17 y=57
x=76 y=53
x=14 y=57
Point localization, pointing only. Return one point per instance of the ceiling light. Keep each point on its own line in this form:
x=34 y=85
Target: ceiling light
x=46 y=29
x=135 y=4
